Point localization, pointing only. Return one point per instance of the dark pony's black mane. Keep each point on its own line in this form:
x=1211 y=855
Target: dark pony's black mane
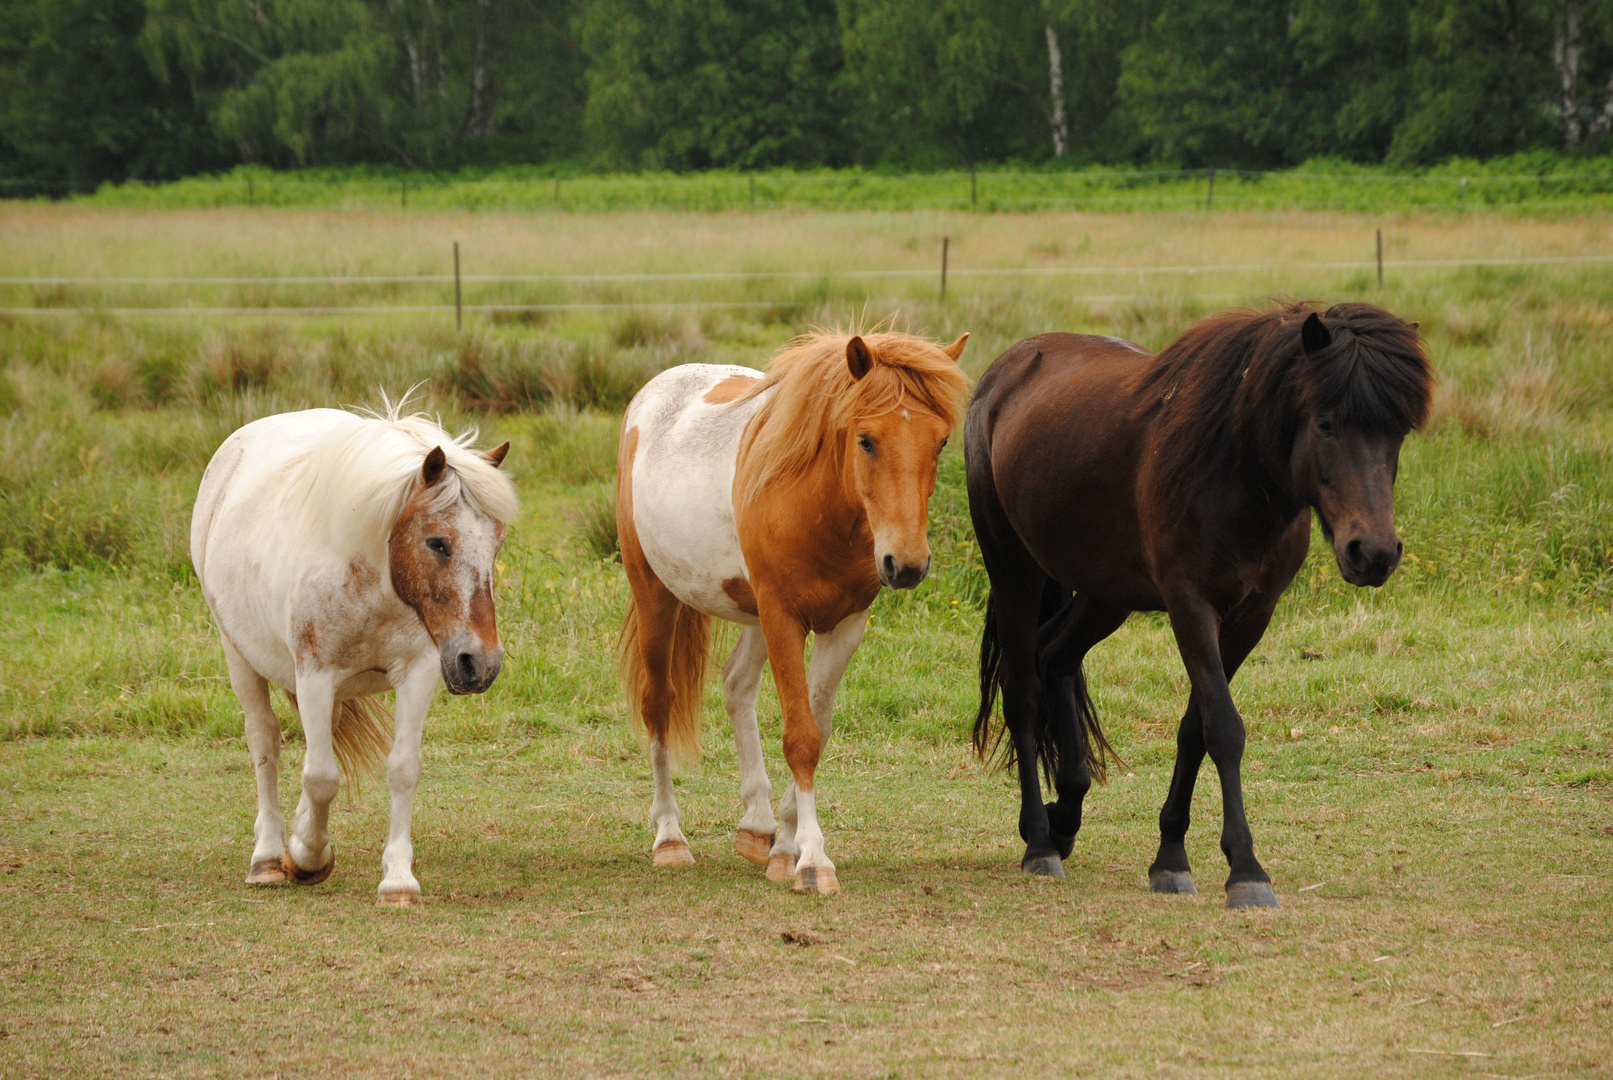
x=1232 y=391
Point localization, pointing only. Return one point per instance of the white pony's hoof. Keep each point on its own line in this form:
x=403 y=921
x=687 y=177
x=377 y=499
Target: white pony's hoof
x=673 y=853
x=754 y=846
x=816 y=879
x=297 y=874
x=781 y=866
x=266 y=872
x=398 y=896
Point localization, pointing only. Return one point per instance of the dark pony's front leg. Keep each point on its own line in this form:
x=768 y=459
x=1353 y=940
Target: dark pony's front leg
x=1199 y=636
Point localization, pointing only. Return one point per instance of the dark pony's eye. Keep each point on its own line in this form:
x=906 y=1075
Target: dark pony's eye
x=440 y=546
x=866 y=444
x=1325 y=427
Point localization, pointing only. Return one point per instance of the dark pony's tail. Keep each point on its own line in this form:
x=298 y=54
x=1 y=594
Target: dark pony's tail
x=1068 y=695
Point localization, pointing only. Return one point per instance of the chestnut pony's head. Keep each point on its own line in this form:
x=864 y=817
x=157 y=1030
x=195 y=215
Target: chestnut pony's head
x=884 y=406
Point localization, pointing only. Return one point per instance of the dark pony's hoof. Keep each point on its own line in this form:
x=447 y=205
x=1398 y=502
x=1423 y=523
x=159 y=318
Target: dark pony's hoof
x=1172 y=881
x=1063 y=823
x=1245 y=894
x=1045 y=866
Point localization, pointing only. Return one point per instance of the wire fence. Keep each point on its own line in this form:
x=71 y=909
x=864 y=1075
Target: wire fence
x=60 y=304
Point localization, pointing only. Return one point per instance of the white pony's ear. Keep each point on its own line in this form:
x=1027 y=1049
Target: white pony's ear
x=859 y=358
x=495 y=456
x=955 y=350
x=435 y=466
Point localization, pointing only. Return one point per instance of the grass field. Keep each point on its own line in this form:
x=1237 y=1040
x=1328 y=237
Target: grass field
x=1532 y=183
x=1430 y=765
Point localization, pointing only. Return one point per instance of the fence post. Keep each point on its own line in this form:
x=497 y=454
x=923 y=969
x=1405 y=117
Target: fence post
x=946 y=241
x=974 y=196
x=1209 y=195
x=251 y=196
x=403 y=193
x=753 y=191
x=557 y=191
x=459 y=307
x=1380 y=258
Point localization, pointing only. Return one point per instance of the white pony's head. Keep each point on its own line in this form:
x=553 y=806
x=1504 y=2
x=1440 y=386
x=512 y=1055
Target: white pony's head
x=401 y=491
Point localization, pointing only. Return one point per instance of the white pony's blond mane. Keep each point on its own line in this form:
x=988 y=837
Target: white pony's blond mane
x=355 y=482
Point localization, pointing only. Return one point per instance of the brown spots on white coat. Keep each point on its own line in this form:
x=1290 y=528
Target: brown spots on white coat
x=730 y=389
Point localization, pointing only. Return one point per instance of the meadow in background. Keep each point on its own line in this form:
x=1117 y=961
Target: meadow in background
x=1433 y=760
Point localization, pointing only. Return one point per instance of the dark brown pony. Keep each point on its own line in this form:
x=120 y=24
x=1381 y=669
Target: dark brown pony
x=1104 y=479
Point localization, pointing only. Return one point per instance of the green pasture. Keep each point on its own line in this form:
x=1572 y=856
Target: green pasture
x=1429 y=768
x=1530 y=183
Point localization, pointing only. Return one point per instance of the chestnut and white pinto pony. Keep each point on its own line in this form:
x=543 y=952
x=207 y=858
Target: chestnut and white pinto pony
x=343 y=556
x=781 y=502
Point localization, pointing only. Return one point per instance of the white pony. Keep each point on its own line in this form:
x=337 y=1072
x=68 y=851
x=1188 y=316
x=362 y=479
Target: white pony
x=342 y=556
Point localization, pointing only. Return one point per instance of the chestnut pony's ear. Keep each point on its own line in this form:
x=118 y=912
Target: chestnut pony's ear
x=495 y=456
x=436 y=464
x=1314 y=335
x=955 y=350
x=858 y=357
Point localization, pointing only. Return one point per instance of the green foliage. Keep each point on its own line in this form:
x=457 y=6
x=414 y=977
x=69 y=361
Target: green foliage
x=105 y=89
x=692 y=84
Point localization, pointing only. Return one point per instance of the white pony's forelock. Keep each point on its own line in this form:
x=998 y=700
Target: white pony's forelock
x=359 y=477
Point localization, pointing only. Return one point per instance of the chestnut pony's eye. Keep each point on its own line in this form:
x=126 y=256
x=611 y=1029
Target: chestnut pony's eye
x=866 y=443
x=440 y=546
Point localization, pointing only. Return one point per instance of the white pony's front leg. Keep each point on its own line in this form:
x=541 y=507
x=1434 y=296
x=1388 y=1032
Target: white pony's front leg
x=310 y=856
x=414 y=693
x=263 y=743
x=741 y=681
x=800 y=841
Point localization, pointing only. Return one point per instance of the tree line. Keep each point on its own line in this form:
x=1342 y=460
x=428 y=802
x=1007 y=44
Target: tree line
x=110 y=89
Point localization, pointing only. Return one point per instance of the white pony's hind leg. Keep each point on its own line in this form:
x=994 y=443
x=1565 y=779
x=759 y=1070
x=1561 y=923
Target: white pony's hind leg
x=310 y=856
x=741 y=681
x=398 y=885
x=831 y=653
x=263 y=743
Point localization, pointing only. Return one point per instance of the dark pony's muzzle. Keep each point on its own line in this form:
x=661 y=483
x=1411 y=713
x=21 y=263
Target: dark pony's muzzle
x=1368 y=562
x=468 y=666
x=902 y=575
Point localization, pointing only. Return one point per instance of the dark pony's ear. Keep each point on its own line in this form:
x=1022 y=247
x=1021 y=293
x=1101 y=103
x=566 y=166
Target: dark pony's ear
x=436 y=464
x=495 y=456
x=1314 y=335
x=858 y=357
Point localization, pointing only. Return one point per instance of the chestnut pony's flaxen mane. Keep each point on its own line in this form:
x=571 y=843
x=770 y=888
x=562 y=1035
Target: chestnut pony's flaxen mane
x=813 y=400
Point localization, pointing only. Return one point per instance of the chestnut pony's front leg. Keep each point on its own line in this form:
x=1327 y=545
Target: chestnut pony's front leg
x=803 y=745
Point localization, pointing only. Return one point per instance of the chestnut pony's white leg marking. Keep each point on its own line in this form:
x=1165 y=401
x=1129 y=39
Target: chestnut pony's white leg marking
x=263 y=743
x=310 y=848
x=831 y=653
x=742 y=681
x=671 y=849
x=414 y=692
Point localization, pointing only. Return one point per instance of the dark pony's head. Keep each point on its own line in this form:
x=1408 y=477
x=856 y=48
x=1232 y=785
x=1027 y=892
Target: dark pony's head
x=1311 y=407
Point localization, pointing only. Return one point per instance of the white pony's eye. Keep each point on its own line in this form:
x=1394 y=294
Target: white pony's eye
x=440 y=546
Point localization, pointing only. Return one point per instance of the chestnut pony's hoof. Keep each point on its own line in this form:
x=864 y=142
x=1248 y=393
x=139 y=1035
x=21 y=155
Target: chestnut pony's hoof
x=297 y=874
x=754 y=846
x=266 y=872
x=673 y=853
x=781 y=867
x=816 y=879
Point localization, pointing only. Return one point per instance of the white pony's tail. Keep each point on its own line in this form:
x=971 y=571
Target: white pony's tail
x=362 y=733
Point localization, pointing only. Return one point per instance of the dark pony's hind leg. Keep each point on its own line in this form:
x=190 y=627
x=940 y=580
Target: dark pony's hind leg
x=1064 y=643
x=1016 y=612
